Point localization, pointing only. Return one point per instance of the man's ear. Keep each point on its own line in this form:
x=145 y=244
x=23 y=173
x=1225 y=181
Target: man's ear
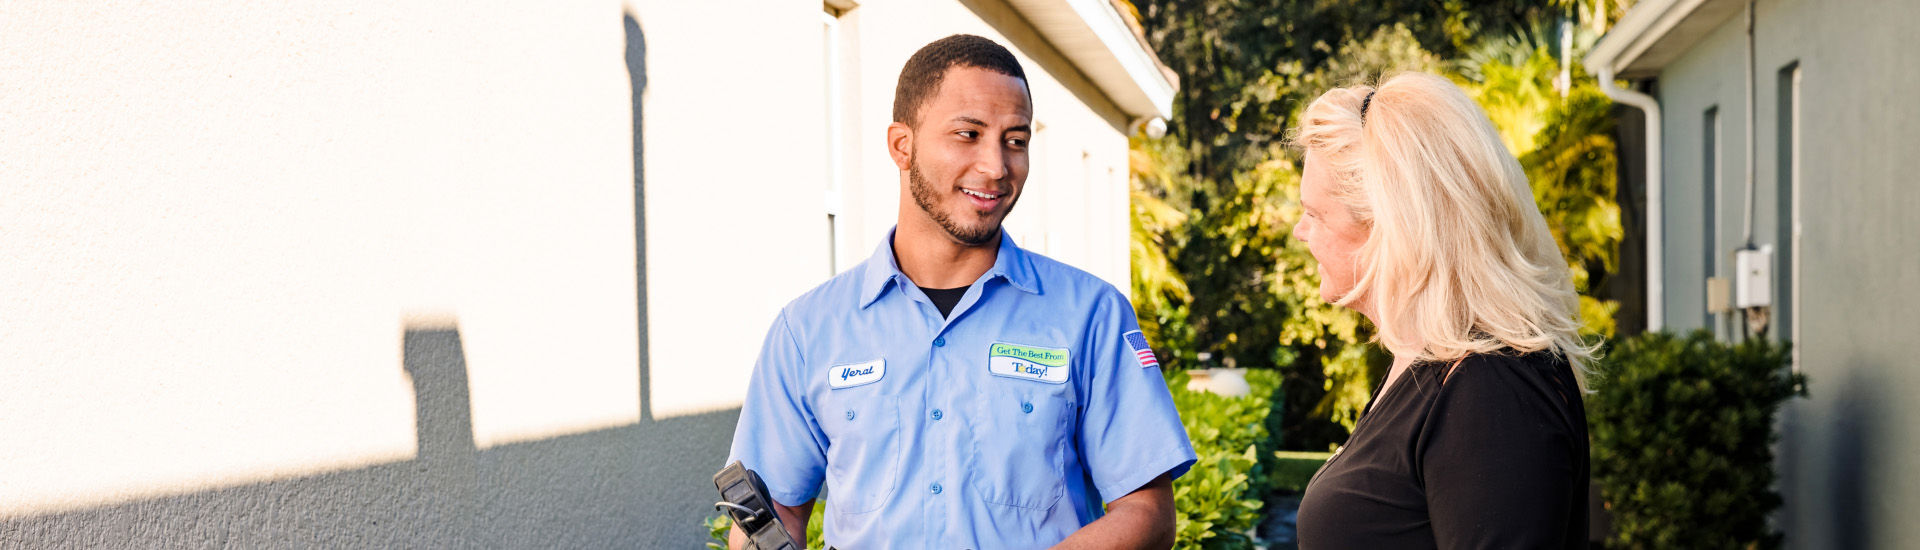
x=900 y=144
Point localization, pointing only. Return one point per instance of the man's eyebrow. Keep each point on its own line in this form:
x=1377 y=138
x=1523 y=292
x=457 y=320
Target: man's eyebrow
x=977 y=122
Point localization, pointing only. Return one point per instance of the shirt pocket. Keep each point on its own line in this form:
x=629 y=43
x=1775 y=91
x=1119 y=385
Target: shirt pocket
x=1019 y=444
x=863 y=451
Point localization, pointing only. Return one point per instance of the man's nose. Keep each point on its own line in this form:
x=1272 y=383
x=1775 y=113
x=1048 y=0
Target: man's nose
x=992 y=163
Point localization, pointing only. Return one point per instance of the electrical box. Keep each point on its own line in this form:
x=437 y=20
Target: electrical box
x=1718 y=299
x=1753 y=277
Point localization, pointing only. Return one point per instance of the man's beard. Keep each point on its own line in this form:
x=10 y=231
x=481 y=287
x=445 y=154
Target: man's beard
x=924 y=195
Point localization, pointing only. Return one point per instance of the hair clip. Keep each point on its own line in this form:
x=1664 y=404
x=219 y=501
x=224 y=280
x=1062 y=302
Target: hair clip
x=1363 y=106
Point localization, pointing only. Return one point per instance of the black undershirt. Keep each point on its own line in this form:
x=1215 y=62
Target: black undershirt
x=945 y=298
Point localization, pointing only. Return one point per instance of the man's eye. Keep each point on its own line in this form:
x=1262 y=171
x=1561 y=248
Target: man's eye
x=969 y=134
x=1017 y=143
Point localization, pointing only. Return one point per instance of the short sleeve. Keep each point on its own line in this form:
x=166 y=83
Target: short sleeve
x=1496 y=459
x=1130 y=432
x=777 y=436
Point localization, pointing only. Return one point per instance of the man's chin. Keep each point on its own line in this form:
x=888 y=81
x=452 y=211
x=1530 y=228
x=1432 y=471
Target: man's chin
x=978 y=235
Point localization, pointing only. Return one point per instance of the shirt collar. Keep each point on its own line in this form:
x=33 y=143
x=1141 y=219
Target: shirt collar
x=1011 y=264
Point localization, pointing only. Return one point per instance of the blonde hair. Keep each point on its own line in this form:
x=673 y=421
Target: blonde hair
x=1458 y=259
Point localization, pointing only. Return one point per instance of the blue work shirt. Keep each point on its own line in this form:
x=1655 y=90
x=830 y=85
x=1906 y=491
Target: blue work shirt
x=1005 y=425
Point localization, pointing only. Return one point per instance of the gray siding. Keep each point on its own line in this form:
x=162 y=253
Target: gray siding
x=1847 y=455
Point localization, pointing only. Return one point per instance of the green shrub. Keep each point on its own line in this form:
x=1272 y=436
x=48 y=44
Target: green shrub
x=1682 y=434
x=1217 y=503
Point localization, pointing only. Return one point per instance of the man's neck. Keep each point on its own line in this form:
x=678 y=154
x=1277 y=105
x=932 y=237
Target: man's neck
x=933 y=259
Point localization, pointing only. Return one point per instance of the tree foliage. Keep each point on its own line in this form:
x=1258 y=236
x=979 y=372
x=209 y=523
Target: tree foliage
x=1217 y=269
x=1223 y=49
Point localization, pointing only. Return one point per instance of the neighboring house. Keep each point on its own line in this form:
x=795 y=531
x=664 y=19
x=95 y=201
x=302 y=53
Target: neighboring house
x=456 y=274
x=1793 y=140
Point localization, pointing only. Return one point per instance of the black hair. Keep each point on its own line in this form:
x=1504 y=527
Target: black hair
x=922 y=75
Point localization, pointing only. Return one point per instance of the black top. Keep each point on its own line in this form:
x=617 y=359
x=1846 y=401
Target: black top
x=1492 y=456
x=945 y=298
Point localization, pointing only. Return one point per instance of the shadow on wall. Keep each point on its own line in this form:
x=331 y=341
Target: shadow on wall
x=1852 y=431
x=1834 y=454
x=1826 y=457
x=637 y=88
x=645 y=485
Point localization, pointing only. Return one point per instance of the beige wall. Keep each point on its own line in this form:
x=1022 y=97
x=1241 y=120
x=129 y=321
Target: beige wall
x=276 y=273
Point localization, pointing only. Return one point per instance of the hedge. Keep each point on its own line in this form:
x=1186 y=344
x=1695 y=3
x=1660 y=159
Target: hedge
x=1682 y=435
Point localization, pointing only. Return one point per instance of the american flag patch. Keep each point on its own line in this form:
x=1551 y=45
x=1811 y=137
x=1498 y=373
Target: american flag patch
x=1141 y=351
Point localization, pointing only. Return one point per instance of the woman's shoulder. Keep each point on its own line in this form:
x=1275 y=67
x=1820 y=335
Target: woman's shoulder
x=1506 y=381
x=1502 y=365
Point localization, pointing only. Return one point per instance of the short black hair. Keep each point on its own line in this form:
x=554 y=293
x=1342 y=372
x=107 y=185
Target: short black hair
x=927 y=67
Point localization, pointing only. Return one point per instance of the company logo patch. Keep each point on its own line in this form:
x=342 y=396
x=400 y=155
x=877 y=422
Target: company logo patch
x=857 y=374
x=1028 y=362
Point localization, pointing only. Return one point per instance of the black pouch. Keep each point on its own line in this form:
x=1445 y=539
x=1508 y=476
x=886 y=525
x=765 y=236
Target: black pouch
x=744 y=497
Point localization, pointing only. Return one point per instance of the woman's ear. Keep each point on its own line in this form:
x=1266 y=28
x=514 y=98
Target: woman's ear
x=900 y=144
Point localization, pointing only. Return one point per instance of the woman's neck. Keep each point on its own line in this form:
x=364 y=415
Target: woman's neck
x=1405 y=354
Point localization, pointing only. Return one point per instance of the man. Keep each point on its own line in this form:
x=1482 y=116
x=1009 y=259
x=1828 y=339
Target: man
x=955 y=391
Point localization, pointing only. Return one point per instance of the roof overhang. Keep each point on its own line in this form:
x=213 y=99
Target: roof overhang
x=1655 y=32
x=1107 y=45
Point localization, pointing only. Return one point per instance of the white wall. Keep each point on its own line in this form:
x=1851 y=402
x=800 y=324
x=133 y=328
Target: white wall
x=218 y=221
x=734 y=184
x=264 y=267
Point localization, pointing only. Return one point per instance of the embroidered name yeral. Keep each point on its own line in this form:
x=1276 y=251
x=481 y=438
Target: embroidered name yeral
x=856 y=374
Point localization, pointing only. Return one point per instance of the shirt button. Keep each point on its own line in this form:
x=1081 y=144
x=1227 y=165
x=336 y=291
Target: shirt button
x=936 y=488
x=936 y=414
x=1024 y=407
x=939 y=342
x=849 y=415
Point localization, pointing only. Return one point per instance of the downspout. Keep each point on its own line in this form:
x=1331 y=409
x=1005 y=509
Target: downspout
x=1753 y=159
x=1748 y=315
x=1656 y=289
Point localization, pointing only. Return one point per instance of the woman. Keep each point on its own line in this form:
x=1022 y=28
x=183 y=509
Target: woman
x=1423 y=222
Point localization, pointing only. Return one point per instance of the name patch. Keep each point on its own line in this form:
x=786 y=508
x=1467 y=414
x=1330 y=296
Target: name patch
x=857 y=374
x=1028 y=362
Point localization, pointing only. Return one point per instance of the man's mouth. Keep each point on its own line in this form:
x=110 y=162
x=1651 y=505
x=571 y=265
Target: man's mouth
x=982 y=199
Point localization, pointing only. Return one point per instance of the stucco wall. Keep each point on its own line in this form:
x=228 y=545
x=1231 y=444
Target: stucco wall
x=437 y=274
x=1847 y=455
